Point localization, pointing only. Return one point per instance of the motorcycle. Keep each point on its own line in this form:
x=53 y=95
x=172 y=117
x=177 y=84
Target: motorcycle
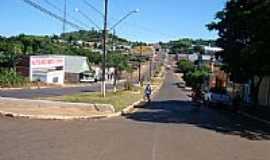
x=197 y=98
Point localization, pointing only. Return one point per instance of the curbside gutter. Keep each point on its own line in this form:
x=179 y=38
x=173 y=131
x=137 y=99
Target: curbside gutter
x=50 y=117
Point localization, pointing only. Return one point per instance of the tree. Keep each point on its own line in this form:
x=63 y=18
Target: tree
x=196 y=78
x=185 y=66
x=119 y=62
x=181 y=45
x=198 y=49
x=8 y=54
x=243 y=28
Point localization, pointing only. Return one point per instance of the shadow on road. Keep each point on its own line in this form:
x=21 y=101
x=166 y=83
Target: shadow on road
x=182 y=112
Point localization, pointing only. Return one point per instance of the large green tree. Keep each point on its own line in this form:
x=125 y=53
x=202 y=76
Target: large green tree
x=181 y=45
x=243 y=28
x=119 y=62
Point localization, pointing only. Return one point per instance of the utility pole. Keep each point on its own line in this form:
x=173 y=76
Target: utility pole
x=114 y=40
x=104 y=49
x=150 y=68
x=140 y=64
x=65 y=16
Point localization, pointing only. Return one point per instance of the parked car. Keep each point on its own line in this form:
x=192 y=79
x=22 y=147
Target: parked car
x=88 y=80
x=188 y=89
x=218 y=98
x=88 y=77
x=181 y=84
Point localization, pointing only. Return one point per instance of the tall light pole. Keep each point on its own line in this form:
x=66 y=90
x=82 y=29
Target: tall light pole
x=124 y=17
x=113 y=28
x=140 y=66
x=103 y=87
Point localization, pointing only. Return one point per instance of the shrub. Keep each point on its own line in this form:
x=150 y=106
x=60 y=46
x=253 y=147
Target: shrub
x=185 y=66
x=196 y=78
x=9 y=78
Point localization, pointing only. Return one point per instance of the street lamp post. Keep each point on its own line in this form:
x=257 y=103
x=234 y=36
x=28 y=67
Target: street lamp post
x=105 y=37
x=124 y=17
x=141 y=52
x=104 y=49
x=113 y=28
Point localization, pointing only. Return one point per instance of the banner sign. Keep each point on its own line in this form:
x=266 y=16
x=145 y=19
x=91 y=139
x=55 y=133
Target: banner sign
x=47 y=62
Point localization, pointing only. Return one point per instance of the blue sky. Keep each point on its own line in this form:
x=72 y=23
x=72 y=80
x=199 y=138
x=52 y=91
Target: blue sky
x=158 y=20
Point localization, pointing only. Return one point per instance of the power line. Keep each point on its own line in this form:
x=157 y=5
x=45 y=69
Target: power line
x=65 y=16
x=93 y=7
x=87 y=17
x=44 y=10
x=71 y=17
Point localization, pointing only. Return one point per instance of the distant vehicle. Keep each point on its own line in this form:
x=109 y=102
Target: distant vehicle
x=214 y=98
x=181 y=84
x=88 y=77
x=188 y=88
x=88 y=80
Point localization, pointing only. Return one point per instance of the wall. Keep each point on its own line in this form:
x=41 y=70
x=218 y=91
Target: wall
x=264 y=92
x=52 y=76
x=72 y=77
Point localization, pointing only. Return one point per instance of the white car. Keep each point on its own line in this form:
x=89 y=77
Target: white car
x=188 y=88
x=88 y=80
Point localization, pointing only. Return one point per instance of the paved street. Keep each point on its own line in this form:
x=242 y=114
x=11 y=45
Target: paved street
x=167 y=129
x=47 y=92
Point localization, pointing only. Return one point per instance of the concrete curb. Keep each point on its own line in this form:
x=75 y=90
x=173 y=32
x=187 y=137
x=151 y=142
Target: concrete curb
x=50 y=117
x=103 y=109
x=97 y=107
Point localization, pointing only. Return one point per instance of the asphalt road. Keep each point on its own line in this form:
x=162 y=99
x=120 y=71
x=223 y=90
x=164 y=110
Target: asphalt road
x=167 y=129
x=47 y=92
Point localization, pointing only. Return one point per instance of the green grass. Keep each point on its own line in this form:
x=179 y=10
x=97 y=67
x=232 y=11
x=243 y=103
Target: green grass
x=119 y=100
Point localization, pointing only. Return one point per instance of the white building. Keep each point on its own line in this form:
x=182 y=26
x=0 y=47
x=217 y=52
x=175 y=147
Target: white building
x=57 y=69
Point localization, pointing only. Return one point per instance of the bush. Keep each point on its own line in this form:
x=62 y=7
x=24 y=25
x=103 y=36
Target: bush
x=185 y=66
x=9 y=78
x=196 y=78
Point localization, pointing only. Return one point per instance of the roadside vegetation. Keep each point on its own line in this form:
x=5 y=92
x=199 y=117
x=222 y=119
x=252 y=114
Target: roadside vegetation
x=243 y=29
x=120 y=99
x=194 y=75
x=9 y=78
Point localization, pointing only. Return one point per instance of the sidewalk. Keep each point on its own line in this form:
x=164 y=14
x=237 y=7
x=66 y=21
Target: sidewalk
x=43 y=109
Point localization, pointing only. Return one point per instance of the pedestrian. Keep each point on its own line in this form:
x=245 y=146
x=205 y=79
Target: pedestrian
x=148 y=92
